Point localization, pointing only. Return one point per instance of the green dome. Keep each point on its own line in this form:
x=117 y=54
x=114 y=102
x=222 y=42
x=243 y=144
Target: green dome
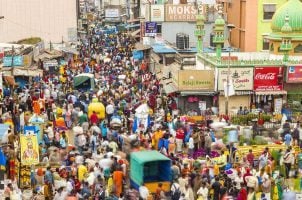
x=292 y=9
x=200 y=18
x=286 y=28
x=220 y=21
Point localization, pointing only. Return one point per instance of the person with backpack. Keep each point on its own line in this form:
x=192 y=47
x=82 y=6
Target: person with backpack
x=175 y=191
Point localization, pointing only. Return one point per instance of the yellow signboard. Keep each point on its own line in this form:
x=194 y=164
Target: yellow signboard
x=29 y=150
x=196 y=80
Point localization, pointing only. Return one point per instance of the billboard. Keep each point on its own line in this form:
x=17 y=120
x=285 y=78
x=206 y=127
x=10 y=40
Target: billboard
x=268 y=79
x=9 y=61
x=157 y=13
x=180 y=13
x=242 y=78
x=150 y=29
x=294 y=74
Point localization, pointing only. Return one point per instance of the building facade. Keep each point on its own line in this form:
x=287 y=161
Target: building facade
x=53 y=20
x=261 y=80
x=252 y=20
x=179 y=17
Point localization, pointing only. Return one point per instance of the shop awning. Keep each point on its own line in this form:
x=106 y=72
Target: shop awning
x=169 y=88
x=204 y=93
x=281 y=92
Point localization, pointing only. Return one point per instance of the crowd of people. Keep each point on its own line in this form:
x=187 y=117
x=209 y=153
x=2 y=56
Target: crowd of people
x=96 y=166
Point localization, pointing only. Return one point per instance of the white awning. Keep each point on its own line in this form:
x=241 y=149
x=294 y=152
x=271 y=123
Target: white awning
x=169 y=88
x=281 y=92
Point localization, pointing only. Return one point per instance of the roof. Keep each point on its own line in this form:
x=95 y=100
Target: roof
x=85 y=74
x=148 y=156
x=162 y=48
x=293 y=9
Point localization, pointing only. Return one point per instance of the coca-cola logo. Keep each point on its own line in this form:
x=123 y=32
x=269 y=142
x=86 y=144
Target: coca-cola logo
x=267 y=76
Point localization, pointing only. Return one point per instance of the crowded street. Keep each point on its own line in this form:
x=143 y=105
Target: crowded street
x=99 y=121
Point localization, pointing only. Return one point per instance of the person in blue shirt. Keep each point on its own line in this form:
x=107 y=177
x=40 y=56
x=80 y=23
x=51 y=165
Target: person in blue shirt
x=48 y=176
x=287 y=139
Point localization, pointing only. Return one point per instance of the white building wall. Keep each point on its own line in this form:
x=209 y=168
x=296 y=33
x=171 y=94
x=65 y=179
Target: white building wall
x=170 y=29
x=48 y=19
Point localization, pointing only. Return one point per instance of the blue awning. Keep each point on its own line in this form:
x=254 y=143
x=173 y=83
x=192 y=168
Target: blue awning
x=163 y=48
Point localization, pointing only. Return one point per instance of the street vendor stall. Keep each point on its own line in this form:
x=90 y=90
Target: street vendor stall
x=150 y=168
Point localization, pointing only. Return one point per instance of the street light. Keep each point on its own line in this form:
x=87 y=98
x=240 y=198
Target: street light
x=230 y=27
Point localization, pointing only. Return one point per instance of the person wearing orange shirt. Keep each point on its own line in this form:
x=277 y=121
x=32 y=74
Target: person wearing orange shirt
x=118 y=182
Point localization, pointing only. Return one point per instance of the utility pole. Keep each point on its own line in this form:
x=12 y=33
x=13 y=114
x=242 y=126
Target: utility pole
x=13 y=54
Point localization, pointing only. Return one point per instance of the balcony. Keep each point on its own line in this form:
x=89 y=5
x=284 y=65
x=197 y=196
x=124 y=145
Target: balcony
x=286 y=47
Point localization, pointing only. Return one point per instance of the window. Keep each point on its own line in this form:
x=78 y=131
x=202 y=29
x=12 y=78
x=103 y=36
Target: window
x=298 y=49
x=268 y=11
x=265 y=44
x=159 y=27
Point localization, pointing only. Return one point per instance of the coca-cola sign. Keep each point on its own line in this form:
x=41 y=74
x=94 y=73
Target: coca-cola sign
x=268 y=76
x=268 y=79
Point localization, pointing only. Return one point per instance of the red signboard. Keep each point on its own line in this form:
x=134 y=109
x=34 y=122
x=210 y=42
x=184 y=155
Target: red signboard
x=294 y=74
x=268 y=79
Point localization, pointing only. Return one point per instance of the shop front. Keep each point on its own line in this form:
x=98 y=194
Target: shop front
x=268 y=86
x=242 y=79
x=196 y=90
x=293 y=87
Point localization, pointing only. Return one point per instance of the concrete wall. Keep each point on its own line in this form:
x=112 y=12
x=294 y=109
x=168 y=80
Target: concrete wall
x=48 y=19
x=170 y=29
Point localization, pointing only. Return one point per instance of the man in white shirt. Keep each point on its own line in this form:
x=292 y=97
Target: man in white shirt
x=191 y=146
x=143 y=192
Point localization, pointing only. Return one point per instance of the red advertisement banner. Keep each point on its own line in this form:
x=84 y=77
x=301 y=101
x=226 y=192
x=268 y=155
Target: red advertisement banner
x=268 y=79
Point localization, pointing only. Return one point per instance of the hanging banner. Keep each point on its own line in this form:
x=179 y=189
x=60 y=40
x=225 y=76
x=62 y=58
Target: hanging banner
x=29 y=150
x=294 y=74
x=268 y=79
x=242 y=78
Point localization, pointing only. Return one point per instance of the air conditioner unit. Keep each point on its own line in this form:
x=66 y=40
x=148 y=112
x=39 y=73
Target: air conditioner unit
x=182 y=41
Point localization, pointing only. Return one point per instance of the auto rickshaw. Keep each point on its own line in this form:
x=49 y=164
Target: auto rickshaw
x=150 y=168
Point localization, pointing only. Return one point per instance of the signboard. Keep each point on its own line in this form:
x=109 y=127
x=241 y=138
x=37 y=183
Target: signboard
x=112 y=13
x=268 y=79
x=7 y=61
x=242 y=78
x=195 y=80
x=150 y=29
x=50 y=63
x=29 y=149
x=180 y=13
x=294 y=74
x=157 y=13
